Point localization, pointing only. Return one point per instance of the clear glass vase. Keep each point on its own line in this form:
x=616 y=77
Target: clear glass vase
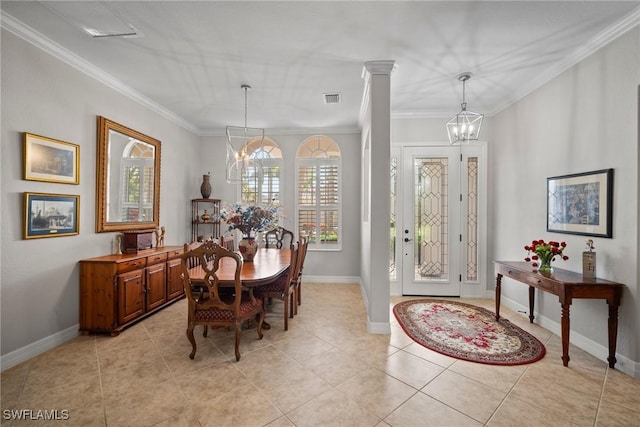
x=545 y=267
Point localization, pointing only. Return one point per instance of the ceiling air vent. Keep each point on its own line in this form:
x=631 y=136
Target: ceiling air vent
x=332 y=98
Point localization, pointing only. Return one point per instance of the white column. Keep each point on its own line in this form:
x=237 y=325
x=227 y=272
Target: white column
x=376 y=137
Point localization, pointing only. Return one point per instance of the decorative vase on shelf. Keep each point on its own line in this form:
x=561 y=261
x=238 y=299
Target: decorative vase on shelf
x=205 y=187
x=248 y=246
x=205 y=216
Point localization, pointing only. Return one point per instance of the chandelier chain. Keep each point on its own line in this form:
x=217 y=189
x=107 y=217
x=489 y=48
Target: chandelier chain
x=246 y=89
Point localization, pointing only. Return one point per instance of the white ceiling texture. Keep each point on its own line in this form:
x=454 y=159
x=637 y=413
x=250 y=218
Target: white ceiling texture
x=188 y=59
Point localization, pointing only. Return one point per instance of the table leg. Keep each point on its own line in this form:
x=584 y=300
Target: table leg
x=613 y=333
x=565 y=333
x=498 y=285
x=532 y=296
x=265 y=325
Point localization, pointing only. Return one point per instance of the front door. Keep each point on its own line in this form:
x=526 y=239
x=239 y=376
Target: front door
x=439 y=234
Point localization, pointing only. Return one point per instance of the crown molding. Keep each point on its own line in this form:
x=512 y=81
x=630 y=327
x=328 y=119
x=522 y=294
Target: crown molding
x=602 y=39
x=289 y=131
x=40 y=41
x=380 y=67
x=421 y=115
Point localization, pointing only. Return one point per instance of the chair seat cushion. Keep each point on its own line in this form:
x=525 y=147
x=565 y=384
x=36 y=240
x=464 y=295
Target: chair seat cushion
x=275 y=286
x=219 y=315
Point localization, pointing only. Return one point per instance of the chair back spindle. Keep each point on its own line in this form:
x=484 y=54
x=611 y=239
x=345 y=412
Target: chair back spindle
x=278 y=238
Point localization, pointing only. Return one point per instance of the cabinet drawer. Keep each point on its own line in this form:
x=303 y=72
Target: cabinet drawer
x=174 y=254
x=544 y=284
x=517 y=275
x=132 y=265
x=154 y=259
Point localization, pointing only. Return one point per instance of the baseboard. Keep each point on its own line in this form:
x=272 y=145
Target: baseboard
x=25 y=353
x=474 y=290
x=332 y=279
x=623 y=364
x=381 y=328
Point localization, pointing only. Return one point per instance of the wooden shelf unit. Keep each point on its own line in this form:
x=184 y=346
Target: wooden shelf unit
x=205 y=229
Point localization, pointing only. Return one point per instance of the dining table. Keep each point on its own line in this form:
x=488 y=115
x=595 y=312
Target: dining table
x=268 y=264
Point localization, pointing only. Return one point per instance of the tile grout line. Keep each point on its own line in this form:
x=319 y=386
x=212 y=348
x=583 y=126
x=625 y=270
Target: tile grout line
x=102 y=403
x=602 y=388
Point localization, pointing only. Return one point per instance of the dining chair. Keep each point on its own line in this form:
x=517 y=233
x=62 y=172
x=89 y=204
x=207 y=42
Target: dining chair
x=228 y=241
x=215 y=307
x=282 y=288
x=297 y=281
x=278 y=237
x=188 y=247
x=193 y=261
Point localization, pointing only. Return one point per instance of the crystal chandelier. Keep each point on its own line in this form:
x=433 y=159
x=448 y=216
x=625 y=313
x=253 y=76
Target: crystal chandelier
x=242 y=142
x=464 y=126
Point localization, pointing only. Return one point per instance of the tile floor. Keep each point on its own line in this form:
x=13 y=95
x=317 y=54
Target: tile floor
x=325 y=371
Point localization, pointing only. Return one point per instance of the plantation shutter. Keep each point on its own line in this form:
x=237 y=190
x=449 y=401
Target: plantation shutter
x=319 y=201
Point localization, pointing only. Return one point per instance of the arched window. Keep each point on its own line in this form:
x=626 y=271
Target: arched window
x=318 y=198
x=262 y=187
x=137 y=181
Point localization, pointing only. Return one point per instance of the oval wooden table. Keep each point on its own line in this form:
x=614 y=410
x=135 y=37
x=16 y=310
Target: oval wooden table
x=268 y=265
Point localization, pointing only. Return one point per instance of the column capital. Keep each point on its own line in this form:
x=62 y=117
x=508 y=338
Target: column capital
x=380 y=67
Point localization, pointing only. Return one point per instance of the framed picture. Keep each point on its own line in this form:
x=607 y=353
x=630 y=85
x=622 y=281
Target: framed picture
x=50 y=215
x=50 y=160
x=581 y=203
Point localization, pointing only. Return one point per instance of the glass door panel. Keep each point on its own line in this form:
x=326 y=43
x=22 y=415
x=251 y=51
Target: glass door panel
x=431 y=222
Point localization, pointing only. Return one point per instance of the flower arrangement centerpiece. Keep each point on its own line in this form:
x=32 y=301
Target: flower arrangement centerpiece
x=249 y=220
x=544 y=253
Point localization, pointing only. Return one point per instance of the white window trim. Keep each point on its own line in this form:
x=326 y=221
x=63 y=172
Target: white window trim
x=317 y=161
x=274 y=161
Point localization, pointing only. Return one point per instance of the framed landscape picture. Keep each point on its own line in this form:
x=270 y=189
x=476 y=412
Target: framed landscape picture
x=50 y=215
x=581 y=203
x=50 y=160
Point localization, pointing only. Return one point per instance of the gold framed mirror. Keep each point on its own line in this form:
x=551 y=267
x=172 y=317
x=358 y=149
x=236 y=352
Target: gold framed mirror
x=127 y=180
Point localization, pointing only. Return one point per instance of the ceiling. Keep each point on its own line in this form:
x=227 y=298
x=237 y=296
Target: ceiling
x=189 y=59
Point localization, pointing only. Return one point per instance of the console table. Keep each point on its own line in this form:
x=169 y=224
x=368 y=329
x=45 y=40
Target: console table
x=567 y=285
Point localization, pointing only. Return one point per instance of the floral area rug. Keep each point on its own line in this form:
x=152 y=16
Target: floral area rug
x=467 y=332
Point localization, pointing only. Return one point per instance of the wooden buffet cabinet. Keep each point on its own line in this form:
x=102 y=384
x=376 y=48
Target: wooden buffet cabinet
x=116 y=290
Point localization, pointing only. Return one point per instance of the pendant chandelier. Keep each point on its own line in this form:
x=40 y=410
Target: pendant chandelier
x=242 y=142
x=464 y=126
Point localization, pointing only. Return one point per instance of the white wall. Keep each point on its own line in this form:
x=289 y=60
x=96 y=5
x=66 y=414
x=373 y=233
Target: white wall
x=585 y=119
x=42 y=95
x=340 y=265
x=45 y=96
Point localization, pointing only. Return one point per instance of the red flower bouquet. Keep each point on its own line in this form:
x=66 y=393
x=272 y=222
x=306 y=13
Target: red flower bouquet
x=544 y=253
